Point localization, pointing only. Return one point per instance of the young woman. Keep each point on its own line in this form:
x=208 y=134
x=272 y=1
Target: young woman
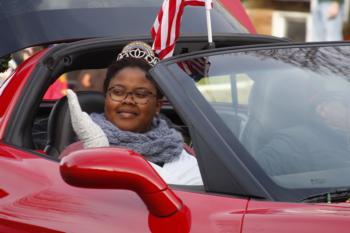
x=131 y=118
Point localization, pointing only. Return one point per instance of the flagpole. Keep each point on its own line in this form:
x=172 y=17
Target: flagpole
x=208 y=7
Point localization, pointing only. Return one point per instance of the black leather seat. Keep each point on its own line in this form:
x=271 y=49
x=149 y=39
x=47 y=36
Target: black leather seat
x=60 y=131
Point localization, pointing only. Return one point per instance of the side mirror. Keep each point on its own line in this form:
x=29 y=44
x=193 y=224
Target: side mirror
x=116 y=168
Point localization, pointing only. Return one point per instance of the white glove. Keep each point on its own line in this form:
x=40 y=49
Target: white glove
x=88 y=131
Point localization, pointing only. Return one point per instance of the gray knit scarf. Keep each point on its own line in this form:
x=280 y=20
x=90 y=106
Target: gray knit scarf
x=160 y=144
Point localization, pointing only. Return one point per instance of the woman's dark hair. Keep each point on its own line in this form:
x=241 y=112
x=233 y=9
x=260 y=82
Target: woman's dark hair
x=117 y=66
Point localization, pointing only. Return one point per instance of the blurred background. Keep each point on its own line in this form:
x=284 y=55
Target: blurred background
x=297 y=20
x=289 y=18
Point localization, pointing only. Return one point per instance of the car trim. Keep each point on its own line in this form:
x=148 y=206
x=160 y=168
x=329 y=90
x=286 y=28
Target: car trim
x=277 y=193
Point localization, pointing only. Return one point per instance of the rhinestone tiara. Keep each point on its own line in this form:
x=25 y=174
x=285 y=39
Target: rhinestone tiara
x=140 y=50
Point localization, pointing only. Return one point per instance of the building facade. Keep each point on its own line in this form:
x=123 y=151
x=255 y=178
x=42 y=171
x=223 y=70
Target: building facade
x=285 y=18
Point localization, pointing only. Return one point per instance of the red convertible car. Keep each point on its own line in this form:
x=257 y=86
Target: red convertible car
x=268 y=121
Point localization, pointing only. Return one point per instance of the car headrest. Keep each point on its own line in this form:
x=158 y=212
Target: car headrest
x=60 y=131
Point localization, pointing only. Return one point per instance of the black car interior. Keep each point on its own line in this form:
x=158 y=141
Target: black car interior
x=51 y=130
x=60 y=133
x=59 y=129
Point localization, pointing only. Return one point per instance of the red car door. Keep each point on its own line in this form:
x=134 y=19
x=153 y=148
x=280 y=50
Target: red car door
x=34 y=198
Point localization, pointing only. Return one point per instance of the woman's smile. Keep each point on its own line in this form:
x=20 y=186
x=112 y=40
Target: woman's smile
x=127 y=113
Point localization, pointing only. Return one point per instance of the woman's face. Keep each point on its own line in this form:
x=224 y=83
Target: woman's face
x=126 y=114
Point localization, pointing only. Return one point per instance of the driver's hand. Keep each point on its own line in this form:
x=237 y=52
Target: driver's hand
x=87 y=131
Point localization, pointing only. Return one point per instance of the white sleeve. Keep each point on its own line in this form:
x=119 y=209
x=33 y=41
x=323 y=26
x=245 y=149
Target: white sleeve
x=184 y=171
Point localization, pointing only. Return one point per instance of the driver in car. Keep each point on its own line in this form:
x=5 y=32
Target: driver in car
x=131 y=118
x=323 y=142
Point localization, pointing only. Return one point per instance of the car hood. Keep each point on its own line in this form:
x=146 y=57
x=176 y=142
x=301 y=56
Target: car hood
x=279 y=208
x=296 y=217
x=26 y=23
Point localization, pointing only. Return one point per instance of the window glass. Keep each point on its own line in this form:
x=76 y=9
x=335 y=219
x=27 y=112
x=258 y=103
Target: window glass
x=226 y=88
x=289 y=108
x=244 y=86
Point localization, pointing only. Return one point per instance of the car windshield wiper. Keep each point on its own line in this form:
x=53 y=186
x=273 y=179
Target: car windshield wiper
x=334 y=196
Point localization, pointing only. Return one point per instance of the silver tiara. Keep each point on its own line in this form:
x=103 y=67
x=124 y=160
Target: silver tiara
x=140 y=50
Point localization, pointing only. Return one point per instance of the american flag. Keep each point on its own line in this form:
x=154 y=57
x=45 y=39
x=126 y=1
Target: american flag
x=166 y=28
x=196 y=68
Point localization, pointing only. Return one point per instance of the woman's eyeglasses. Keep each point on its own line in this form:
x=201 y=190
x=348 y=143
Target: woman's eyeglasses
x=139 y=96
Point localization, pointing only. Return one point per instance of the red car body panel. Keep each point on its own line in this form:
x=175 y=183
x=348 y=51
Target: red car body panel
x=44 y=201
x=266 y=217
x=13 y=87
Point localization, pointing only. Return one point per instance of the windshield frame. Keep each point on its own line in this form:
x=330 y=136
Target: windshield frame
x=277 y=192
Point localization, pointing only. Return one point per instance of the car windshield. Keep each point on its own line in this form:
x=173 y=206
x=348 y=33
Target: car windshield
x=288 y=107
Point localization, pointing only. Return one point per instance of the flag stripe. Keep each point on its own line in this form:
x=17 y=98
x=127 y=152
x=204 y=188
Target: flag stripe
x=166 y=27
x=175 y=21
x=164 y=30
x=197 y=68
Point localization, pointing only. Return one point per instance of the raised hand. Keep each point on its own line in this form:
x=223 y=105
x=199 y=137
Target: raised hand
x=87 y=131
